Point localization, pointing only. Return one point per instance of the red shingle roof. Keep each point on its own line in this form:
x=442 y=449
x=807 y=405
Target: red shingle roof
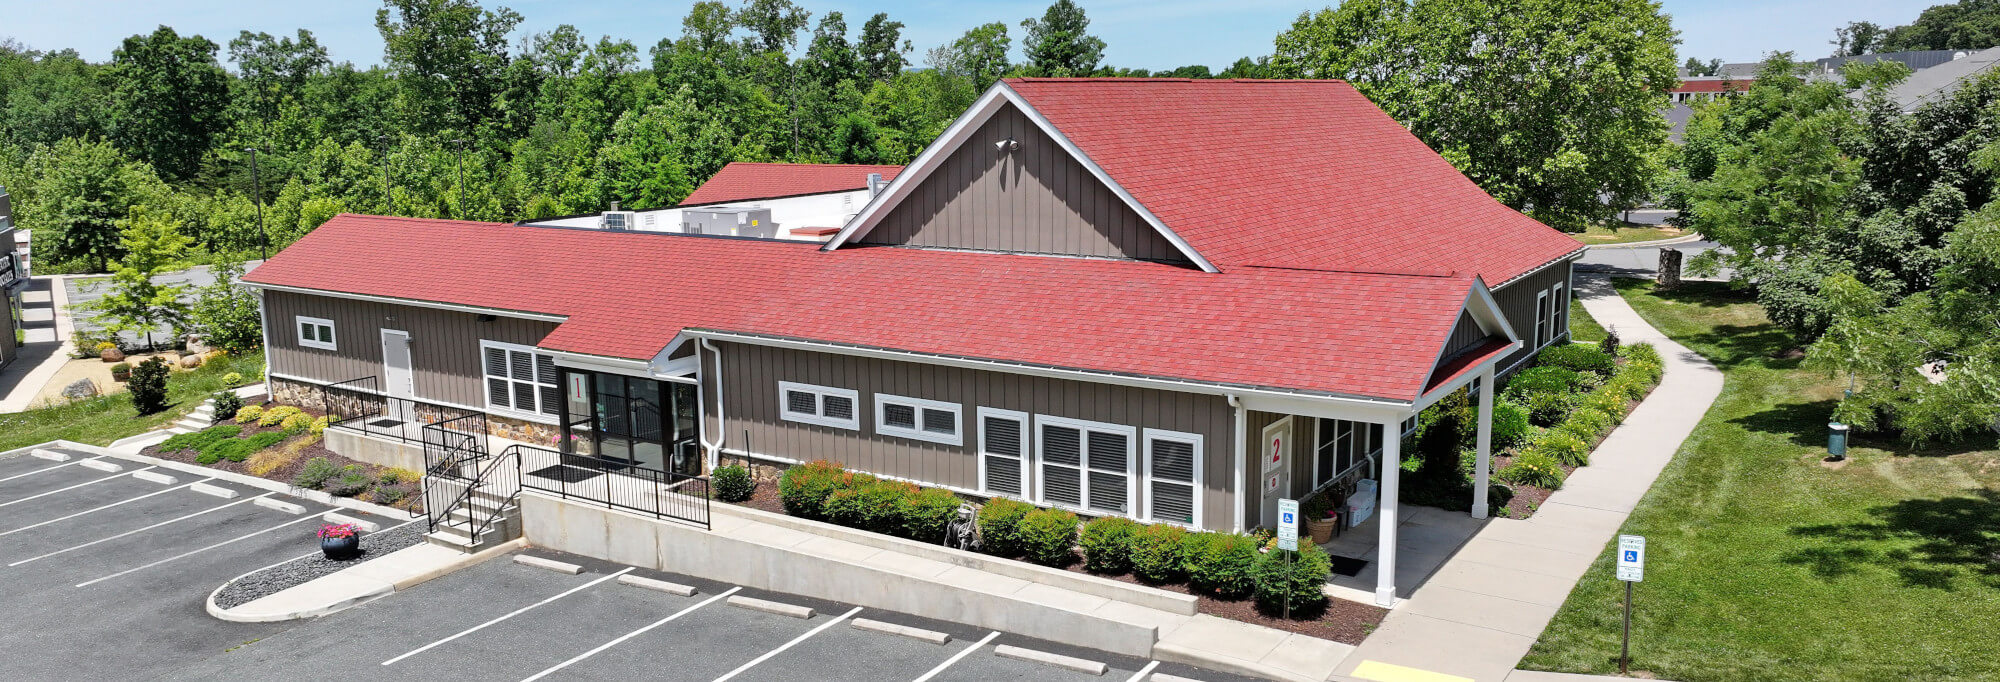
x=741 y=181
x=1291 y=173
x=628 y=295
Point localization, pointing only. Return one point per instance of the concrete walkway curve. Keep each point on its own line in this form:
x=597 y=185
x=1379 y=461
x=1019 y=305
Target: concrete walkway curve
x=1487 y=605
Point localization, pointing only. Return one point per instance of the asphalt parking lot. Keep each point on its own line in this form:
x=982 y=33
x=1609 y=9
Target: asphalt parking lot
x=105 y=576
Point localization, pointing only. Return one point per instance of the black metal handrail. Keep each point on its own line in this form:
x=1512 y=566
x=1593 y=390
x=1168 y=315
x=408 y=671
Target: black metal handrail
x=500 y=491
x=351 y=403
x=618 y=484
x=450 y=448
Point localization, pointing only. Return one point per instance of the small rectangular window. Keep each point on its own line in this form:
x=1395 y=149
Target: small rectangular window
x=1559 y=319
x=820 y=405
x=316 y=332
x=1173 y=477
x=1541 y=319
x=1085 y=464
x=519 y=380
x=1003 y=452
x=917 y=419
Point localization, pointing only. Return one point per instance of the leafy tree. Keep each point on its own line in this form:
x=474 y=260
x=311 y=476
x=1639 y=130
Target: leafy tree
x=149 y=385
x=1857 y=38
x=448 y=57
x=136 y=302
x=170 y=97
x=980 y=55
x=1696 y=67
x=1057 y=45
x=48 y=96
x=879 y=49
x=1967 y=25
x=774 y=25
x=80 y=193
x=1245 y=67
x=276 y=68
x=1550 y=105
x=226 y=314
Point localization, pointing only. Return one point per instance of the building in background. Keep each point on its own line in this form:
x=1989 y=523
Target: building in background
x=794 y=201
x=13 y=278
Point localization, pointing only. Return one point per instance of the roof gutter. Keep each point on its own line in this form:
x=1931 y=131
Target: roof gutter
x=1573 y=255
x=416 y=303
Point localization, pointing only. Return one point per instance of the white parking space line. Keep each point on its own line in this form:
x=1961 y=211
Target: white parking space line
x=49 y=468
x=135 y=530
x=774 y=652
x=600 y=649
x=178 y=557
x=511 y=614
x=79 y=485
x=98 y=509
x=962 y=653
x=1143 y=672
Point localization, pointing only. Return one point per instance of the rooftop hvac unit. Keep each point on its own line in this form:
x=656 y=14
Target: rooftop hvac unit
x=617 y=220
x=729 y=221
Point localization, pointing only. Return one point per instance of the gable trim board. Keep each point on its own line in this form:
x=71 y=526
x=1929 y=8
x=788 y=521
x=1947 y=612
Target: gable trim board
x=1486 y=312
x=413 y=302
x=962 y=131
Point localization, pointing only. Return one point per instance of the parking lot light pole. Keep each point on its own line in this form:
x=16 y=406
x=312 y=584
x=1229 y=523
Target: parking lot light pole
x=263 y=238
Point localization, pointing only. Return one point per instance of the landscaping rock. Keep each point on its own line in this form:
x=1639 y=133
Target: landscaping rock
x=111 y=355
x=300 y=571
x=196 y=345
x=79 y=389
x=190 y=361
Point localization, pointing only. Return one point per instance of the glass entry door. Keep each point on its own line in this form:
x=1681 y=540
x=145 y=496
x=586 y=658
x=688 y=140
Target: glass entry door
x=633 y=421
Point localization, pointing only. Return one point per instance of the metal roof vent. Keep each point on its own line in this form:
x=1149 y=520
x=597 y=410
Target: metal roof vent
x=875 y=184
x=615 y=219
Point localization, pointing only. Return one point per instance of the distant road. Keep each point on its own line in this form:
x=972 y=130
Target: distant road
x=83 y=290
x=1638 y=261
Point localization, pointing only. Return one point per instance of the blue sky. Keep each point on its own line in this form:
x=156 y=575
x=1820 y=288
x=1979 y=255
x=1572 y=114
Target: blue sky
x=1151 y=34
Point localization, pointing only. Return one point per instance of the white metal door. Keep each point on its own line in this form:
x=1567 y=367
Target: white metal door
x=1275 y=474
x=397 y=379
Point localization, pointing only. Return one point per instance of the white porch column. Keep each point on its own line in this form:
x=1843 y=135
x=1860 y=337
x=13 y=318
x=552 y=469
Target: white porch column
x=1385 y=514
x=1480 y=471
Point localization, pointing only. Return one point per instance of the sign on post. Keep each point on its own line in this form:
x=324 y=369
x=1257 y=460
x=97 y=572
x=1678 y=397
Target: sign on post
x=1631 y=558
x=1288 y=525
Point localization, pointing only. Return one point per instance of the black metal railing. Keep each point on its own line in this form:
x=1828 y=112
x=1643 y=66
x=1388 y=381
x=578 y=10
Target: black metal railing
x=616 y=484
x=350 y=403
x=456 y=465
x=359 y=405
x=493 y=480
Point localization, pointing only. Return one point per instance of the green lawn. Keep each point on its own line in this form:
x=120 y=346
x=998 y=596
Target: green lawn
x=1583 y=327
x=1621 y=234
x=1765 y=564
x=103 y=419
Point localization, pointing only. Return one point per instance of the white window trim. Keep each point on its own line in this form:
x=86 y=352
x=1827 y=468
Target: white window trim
x=1200 y=458
x=302 y=320
x=486 y=388
x=1542 y=316
x=1558 y=312
x=1131 y=434
x=852 y=423
x=1024 y=455
x=956 y=437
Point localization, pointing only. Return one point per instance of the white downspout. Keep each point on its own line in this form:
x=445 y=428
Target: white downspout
x=1242 y=455
x=721 y=420
x=1481 y=470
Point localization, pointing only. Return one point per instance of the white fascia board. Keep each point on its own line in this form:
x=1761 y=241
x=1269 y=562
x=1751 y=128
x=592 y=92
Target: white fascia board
x=1485 y=311
x=414 y=303
x=1341 y=407
x=956 y=136
x=1470 y=373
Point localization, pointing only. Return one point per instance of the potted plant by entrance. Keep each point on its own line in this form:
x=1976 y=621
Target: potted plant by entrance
x=1320 y=518
x=340 y=541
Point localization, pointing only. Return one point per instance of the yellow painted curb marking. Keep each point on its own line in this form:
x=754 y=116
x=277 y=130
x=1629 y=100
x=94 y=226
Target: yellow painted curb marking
x=1384 y=672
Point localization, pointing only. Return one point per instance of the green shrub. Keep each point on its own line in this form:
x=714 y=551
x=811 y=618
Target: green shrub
x=732 y=483
x=352 y=481
x=1583 y=431
x=1531 y=467
x=1156 y=553
x=1547 y=409
x=1562 y=446
x=1221 y=564
x=196 y=440
x=1510 y=424
x=1628 y=385
x=319 y=425
x=298 y=423
x=1589 y=424
x=249 y=413
x=149 y=386
x=1577 y=357
x=1107 y=544
x=1048 y=537
x=387 y=496
x=1299 y=582
x=227 y=403
x=1000 y=525
x=232 y=380
x=927 y=512
x=1528 y=382
x=315 y=474
x=803 y=489
x=277 y=415
x=1640 y=352
x=1608 y=402
x=872 y=506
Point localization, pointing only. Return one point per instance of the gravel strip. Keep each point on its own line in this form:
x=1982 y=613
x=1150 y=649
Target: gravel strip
x=299 y=571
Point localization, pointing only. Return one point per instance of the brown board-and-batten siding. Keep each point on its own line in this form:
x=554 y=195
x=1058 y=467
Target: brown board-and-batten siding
x=444 y=344
x=1035 y=199
x=1517 y=302
x=752 y=422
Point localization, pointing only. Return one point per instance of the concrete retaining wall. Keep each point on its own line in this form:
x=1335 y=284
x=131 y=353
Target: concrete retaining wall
x=376 y=451
x=677 y=548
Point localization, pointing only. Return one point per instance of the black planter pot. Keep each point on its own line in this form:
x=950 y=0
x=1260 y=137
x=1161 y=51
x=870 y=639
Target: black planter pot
x=340 y=549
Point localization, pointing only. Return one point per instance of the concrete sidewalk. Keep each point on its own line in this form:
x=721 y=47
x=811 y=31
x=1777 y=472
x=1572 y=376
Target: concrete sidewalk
x=1480 y=614
x=49 y=335
x=360 y=584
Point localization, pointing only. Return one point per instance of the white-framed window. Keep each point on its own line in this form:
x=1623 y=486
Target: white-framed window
x=821 y=405
x=1173 y=477
x=1558 y=312
x=1003 y=452
x=1086 y=465
x=316 y=332
x=520 y=381
x=1541 y=318
x=918 y=419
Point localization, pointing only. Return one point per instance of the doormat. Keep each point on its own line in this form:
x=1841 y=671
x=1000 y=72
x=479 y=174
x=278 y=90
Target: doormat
x=565 y=474
x=1348 y=567
x=386 y=423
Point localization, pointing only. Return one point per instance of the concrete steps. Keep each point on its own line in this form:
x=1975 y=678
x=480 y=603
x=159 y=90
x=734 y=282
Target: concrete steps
x=455 y=529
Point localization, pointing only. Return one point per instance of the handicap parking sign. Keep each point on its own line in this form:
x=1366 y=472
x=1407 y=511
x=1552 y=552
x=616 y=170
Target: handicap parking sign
x=1288 y=518
x=1631 y=558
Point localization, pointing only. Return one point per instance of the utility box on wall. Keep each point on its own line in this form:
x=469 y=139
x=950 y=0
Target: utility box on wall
x=730 y=221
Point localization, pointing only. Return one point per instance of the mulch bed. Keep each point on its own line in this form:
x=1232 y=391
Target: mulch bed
x=764 y=497
x=1343 y=621
x=413 y=500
